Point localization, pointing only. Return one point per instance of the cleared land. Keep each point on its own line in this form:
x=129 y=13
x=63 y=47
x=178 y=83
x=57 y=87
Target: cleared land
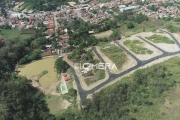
x=16 y=34
x=37 y=67
x=106 y=34
x=98 y=75
x=160 y=39
x=116 y=55
x=137 y=47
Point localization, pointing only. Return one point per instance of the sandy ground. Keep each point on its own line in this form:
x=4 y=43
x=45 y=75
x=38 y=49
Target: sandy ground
x=177 y=36
x=164 y=46
x=156 y=52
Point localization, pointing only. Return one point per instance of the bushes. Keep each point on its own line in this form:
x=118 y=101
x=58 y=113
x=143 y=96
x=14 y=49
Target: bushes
x=30 y=57
x=72 y=92
x=130 y=25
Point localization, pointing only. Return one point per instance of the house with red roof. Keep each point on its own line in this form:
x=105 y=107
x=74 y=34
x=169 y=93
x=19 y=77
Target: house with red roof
x=47 y=53
x=66 y=76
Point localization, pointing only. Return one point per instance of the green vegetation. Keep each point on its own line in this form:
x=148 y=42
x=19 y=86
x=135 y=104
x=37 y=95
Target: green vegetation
x=9 y=34
x=60 y=65
x=58 y=89
x=116 y=55
x=54 y=103
x=138 y=96
x=19 y=100
x=97 y=75
x=137 y=47
x=130 y=25
x=160 y=39
x=43 y=73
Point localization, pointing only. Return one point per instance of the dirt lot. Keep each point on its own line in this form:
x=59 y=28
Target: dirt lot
x=156 y=52
x=103 y=34
x=166 y=47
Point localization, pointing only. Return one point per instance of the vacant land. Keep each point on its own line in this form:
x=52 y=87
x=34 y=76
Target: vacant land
x=55 y=103
x=37 y=67
x=116 y=55
x=98 y=75
x=9 y=34
x=160 y=39
x=137 y=47
x=106 y=34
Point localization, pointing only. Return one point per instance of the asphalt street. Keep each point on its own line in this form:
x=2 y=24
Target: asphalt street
x=83 y=93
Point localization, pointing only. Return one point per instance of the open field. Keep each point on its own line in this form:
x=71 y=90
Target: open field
x=160 y=39
x=55 y=103
x=103 y=34
x=37 y=67
x=137 y=47
x=98 y=75
x=16 y=34
x=116 y=55
x=137 y=29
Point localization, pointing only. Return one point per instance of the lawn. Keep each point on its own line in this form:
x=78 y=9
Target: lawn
x=116 y=55
x=160 y=39
x=103 y=34
x=37 y=67
x=99 y=74
x=137 y=47
x=16 y=34
x=54 y=103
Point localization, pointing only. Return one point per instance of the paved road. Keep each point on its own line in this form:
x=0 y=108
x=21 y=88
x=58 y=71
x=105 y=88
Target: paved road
x=174 y=39
x=83 y=93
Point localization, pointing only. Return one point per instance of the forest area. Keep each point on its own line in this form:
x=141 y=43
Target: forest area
x=19 y=100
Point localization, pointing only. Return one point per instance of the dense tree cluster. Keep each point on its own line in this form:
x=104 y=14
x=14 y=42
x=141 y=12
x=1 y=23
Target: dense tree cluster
x=20 y=101
x=125 y=99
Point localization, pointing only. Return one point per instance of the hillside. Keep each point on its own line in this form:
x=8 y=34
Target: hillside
x=144 y=94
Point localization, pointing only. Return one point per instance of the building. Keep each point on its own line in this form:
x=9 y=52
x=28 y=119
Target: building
x=131 y=8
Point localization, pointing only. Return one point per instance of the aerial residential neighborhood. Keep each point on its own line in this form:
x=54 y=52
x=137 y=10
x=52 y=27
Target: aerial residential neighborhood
x=89 y=59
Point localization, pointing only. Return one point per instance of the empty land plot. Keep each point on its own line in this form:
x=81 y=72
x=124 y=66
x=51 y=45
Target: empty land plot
x=137 y=47
x=99 y=74
x=160 y=39
x=37 y=67
x=116 y=55
x=9 y=34
x=106 y=34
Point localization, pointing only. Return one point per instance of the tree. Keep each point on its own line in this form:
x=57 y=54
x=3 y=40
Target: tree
x=130 y=25
x=60 y=65
x=54 y=44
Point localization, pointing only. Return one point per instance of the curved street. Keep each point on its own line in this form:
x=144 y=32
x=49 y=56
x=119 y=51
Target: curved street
x=112 y=77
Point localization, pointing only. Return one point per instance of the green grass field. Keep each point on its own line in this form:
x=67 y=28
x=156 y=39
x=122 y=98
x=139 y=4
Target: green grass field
x=160 y=39
x=116 y=55
x=9 y=34
x=137 y=47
